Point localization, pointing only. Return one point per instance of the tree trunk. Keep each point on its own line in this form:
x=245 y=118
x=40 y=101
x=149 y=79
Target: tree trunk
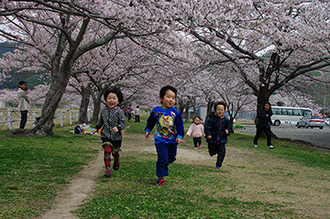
x=187 y=112
x=97 y=108
x=209 y=109
x=180 y=108
x=53 y=97
x=85 y=96
x=232 y=124
x=263 y=98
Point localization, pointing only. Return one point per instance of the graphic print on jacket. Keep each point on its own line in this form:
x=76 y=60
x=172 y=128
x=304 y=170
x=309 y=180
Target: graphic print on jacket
x=166 y=127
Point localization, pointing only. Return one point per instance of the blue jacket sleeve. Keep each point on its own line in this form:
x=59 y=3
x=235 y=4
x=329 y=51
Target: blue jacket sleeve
x=150 y=122
x=179 y=126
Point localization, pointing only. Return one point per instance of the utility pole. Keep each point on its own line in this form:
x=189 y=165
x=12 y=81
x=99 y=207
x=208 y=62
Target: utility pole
x=324 y=105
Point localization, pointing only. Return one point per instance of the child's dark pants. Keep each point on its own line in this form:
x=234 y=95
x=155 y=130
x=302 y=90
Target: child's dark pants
x=166 y=155
x=218 y=149
x=197 y=141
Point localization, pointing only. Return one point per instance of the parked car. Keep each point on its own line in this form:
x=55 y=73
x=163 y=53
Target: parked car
x=311 y=121
x=327 y=121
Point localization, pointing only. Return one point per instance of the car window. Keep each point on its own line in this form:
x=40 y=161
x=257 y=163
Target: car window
x=317 y=117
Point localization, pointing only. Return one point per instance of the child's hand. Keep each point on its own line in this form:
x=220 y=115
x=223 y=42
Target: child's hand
x=94 y=131
x=179 y=140
x=226 y=131
x=147 y=137
x=115 y=129
x=209 y=137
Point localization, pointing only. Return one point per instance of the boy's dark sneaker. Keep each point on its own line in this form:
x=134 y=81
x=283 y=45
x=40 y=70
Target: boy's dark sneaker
x=160 y=182
x=108 y=174
x=218 y=168
x=116 y=166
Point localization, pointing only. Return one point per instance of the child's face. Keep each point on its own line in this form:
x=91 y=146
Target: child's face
x=168 y=100
x=220 y=110
x=197 y=121
x=112 y=100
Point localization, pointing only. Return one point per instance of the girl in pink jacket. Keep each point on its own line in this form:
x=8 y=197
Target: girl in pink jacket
x=196 y=130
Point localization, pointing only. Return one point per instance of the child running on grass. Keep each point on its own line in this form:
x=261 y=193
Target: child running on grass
x=217 y=128
x=169 y=131
x=196 y=130
x=113 y=121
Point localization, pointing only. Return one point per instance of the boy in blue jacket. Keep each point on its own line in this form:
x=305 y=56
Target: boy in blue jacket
x=169 y=131
x=216 y=129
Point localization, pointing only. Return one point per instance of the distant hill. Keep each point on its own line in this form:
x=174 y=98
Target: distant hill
x=14 y=78
x=5 y=47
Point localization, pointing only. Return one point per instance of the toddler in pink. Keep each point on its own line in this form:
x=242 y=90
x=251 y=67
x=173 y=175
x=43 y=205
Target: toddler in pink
x=196 y=130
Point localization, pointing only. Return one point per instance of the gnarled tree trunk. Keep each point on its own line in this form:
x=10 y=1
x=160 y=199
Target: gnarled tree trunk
x=53 y=97
x=85 y=96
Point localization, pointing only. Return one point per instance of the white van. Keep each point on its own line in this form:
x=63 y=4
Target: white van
x=288 y=115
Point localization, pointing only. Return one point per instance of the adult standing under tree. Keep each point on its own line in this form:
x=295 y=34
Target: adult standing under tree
x=23 y=103
x=263 y=124
x=137 y=114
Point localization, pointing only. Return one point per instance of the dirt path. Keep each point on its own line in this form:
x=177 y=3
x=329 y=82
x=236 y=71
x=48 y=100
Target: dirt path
x=70 y=199
x=78 y=190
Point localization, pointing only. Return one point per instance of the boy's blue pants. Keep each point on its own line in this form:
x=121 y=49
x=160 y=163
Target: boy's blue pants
x=166 y=155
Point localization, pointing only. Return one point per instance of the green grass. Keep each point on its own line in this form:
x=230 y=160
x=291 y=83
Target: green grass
x=297 y=152
x=190 y=192
x=34 y=169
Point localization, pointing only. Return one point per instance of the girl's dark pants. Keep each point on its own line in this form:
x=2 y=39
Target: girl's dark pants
x=218 y=149
x=23 y=119
x=197 y=141
x=166 y=154
x=266 y=131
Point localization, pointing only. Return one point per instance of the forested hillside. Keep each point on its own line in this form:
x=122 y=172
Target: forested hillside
x=13 y=79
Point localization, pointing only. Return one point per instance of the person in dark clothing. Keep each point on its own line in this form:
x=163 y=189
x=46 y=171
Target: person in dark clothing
x=129 y=112
x=216 y=129
x=263 y=124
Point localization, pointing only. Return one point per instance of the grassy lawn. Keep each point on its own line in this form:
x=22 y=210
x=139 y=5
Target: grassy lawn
x=34 y=169
x=255 y=182
x=199 y=191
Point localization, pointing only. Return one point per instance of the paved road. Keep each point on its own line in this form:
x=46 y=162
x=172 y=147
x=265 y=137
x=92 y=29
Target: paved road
x=317 y=137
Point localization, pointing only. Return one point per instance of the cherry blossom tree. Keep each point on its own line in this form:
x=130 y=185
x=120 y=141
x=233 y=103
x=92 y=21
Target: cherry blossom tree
x=57 y=34
x=270 y=43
